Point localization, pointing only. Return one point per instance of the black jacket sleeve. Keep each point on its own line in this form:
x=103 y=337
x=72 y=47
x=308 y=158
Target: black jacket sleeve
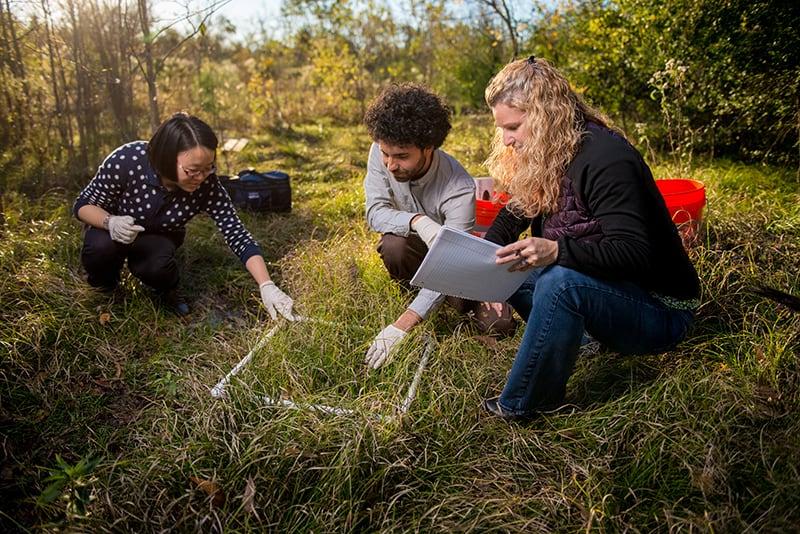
x=506 y=227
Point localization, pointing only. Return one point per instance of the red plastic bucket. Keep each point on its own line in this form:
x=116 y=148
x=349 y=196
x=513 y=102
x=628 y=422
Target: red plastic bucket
x=485 y=213
x=685 y=201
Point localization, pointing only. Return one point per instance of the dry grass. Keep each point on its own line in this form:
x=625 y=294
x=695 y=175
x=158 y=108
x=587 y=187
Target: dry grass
x=703 y=438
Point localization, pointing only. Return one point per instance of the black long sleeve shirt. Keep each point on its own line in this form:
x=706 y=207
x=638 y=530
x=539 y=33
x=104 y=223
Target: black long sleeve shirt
x=639 y=241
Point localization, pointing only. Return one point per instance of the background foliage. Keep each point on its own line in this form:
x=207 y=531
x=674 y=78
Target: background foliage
x=105 y=419
x=721 y=76
x=684 y=76
x=107 y=425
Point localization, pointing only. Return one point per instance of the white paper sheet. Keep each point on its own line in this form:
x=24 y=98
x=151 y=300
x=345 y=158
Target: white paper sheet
x=462 y=265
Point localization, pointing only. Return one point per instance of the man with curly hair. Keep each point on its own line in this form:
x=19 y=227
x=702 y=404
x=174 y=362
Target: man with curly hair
x=412 y=188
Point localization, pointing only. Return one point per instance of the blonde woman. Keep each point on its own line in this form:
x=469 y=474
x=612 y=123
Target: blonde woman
x=605 y=258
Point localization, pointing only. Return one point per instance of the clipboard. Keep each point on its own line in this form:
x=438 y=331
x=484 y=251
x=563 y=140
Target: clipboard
x=462 y=265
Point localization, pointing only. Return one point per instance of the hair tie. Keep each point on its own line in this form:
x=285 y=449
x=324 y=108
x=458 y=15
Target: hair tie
x=531 y=60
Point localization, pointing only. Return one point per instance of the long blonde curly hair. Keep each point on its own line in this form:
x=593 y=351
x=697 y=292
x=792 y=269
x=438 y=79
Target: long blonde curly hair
x=555 y=116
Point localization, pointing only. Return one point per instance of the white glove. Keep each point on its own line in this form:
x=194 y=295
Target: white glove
x=276 y=301
x=427 y=229
x=122 y=228
x=382 y=345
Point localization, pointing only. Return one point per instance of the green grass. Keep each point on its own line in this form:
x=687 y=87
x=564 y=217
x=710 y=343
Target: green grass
x=703 y=438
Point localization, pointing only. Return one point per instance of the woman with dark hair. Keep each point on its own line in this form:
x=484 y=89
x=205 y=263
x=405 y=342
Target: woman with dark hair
x=605 y=257
x=138 y=203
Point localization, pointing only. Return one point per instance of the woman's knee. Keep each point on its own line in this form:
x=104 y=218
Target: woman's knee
x=560 y=283
x=557 y=275
x=154 y=268
x=98 y=248
x=561 y=278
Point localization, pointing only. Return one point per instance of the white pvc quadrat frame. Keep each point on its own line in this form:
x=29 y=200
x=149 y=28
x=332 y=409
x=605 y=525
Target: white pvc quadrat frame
x=218 y=391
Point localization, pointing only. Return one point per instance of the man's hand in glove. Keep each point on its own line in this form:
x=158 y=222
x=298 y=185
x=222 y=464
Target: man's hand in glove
x=382 y=346
x=426 y=228
x=122 y=228
x=276 y=301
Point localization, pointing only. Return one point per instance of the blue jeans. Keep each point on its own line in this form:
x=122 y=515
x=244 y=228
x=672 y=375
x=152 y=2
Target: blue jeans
x=558 y=305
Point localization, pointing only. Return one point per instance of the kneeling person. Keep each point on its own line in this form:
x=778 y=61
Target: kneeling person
x=138 y=204
x=412 y=188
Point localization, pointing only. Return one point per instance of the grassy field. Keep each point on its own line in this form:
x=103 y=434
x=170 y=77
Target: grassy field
x=107 y=423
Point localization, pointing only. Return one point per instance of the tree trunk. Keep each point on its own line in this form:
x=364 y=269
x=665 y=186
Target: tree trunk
x=111 y=34
x=81 y=89
x=125 y=45
x=149 y=65
x=5 y=60
x=62 y=74
x=501 y=8
x=63 y=131
x=17 y=67
x=7 y=99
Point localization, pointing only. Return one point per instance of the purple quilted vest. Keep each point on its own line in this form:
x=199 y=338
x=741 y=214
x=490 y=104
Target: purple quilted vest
x=572 y=219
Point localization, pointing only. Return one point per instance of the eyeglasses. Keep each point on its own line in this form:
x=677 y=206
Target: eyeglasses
x=202 y=172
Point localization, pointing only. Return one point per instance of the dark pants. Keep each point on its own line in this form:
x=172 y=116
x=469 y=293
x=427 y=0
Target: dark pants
x=402 y=256
x=151 y=259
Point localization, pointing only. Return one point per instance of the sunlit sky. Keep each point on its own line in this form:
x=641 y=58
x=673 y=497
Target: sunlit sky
x=248 y=16
x=245 y=11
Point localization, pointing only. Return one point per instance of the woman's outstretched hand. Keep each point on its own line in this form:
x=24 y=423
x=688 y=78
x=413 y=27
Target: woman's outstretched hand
x=276 y=301
x=528 y=253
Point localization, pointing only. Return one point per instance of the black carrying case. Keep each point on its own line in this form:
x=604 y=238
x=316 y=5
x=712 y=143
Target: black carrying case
x=259 y=191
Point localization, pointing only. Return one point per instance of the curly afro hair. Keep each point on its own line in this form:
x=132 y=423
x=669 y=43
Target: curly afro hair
x=408 y=114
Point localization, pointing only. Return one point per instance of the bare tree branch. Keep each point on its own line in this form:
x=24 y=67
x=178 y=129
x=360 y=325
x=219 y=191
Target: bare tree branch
x=213 y=8
x=502 y=9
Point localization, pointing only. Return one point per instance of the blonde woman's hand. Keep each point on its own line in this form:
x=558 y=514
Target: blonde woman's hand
x=528 y=253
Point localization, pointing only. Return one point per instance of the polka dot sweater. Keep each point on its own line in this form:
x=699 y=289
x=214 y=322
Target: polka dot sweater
x=126 y=184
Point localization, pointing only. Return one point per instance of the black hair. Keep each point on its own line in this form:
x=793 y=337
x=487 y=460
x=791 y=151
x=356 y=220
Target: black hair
x=408 y=114
x=177 y=134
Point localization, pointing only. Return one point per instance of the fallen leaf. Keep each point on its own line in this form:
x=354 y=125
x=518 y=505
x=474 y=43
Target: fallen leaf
x=102 y=383
x=105 y=317
x=761 y=358
x=41 y=415
x=293 y=451
x=249 y=497
x=211 y=489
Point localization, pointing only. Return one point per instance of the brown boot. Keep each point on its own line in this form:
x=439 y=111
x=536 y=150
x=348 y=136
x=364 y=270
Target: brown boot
x=490 y=321
x=461 y=306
